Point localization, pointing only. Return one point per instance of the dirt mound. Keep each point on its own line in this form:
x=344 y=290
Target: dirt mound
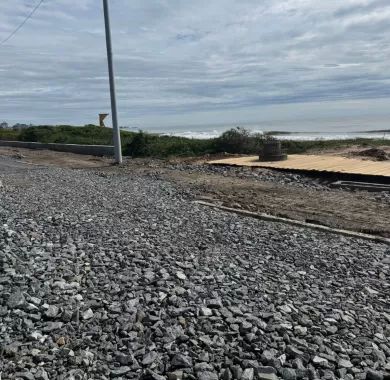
x=373 y=153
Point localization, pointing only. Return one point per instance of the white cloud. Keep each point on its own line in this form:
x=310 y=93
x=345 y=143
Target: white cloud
x=176 y=58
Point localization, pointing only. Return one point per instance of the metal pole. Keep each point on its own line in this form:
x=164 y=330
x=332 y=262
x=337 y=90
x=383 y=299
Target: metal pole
x=115 y=127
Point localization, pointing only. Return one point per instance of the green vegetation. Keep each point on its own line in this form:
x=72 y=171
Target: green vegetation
x=141 y=144
x=238 y=140
x=148 y=145
x=9 y=134
x=65 y=134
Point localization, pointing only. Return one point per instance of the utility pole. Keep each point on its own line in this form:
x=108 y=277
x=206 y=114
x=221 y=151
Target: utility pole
x=114 y=113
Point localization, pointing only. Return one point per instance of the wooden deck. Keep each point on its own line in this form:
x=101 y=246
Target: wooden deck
x=321 y=163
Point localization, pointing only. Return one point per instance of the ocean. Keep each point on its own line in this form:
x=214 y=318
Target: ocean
x=304 y=130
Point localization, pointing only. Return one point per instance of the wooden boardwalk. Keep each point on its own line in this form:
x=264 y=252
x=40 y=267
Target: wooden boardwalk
x=320 y=163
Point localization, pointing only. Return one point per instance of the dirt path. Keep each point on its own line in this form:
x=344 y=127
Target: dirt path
x=357 y=211
x=51 y=158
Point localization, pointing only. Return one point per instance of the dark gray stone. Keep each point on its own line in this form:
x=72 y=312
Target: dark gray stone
x=121 y=371
x=288 y=374
x=206 y=375
x=374 y=375
x=248 y=374
x=16 y=300
x=181 y=361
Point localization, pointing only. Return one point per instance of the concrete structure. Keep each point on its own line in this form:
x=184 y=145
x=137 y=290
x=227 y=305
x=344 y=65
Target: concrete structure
x=93 y=150
x=272 y=151
x=102 y=116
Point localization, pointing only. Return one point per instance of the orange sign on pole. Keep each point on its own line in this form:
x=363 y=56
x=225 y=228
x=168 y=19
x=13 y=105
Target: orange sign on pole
x=102 y=116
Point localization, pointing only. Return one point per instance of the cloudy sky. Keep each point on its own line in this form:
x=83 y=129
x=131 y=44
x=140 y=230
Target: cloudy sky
x=181 y=62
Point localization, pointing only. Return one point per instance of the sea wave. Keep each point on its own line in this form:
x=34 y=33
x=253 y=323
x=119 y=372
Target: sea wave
x=194 y=134
x=296 y=136
x=288 y=136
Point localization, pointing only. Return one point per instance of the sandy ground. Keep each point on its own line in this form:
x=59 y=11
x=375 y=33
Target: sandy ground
x=351 y=151
x=358 y=211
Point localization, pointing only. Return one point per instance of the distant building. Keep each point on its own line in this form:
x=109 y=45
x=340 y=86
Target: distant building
x=4 y=125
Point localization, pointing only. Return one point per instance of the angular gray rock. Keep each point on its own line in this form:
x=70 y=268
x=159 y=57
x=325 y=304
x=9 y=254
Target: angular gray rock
x=374 y=375
x=181 y=361
x=248 y=374
x=119 y=372
x=149 y=358
x=16 y=300
x=206 y=375
x=266 y=373
x=52 y=311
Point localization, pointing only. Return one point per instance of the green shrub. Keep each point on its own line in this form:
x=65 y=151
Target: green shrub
x=238 y=140
x=139 y=146
x=9 y=134
x=36 y=134
x=144 y=144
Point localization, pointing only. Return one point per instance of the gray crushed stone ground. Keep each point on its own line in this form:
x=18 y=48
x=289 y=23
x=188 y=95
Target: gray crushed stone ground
x=124 y=277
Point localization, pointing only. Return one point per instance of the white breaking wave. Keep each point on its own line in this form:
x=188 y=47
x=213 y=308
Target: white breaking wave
x=195 y=134
x=293 y=136
x=296 y=136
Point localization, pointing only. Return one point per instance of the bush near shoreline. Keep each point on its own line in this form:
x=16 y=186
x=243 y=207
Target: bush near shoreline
x=142 y=144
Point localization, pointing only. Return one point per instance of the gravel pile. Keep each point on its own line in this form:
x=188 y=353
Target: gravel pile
x=376 y=153
x=261 y=174
x=123 y=277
